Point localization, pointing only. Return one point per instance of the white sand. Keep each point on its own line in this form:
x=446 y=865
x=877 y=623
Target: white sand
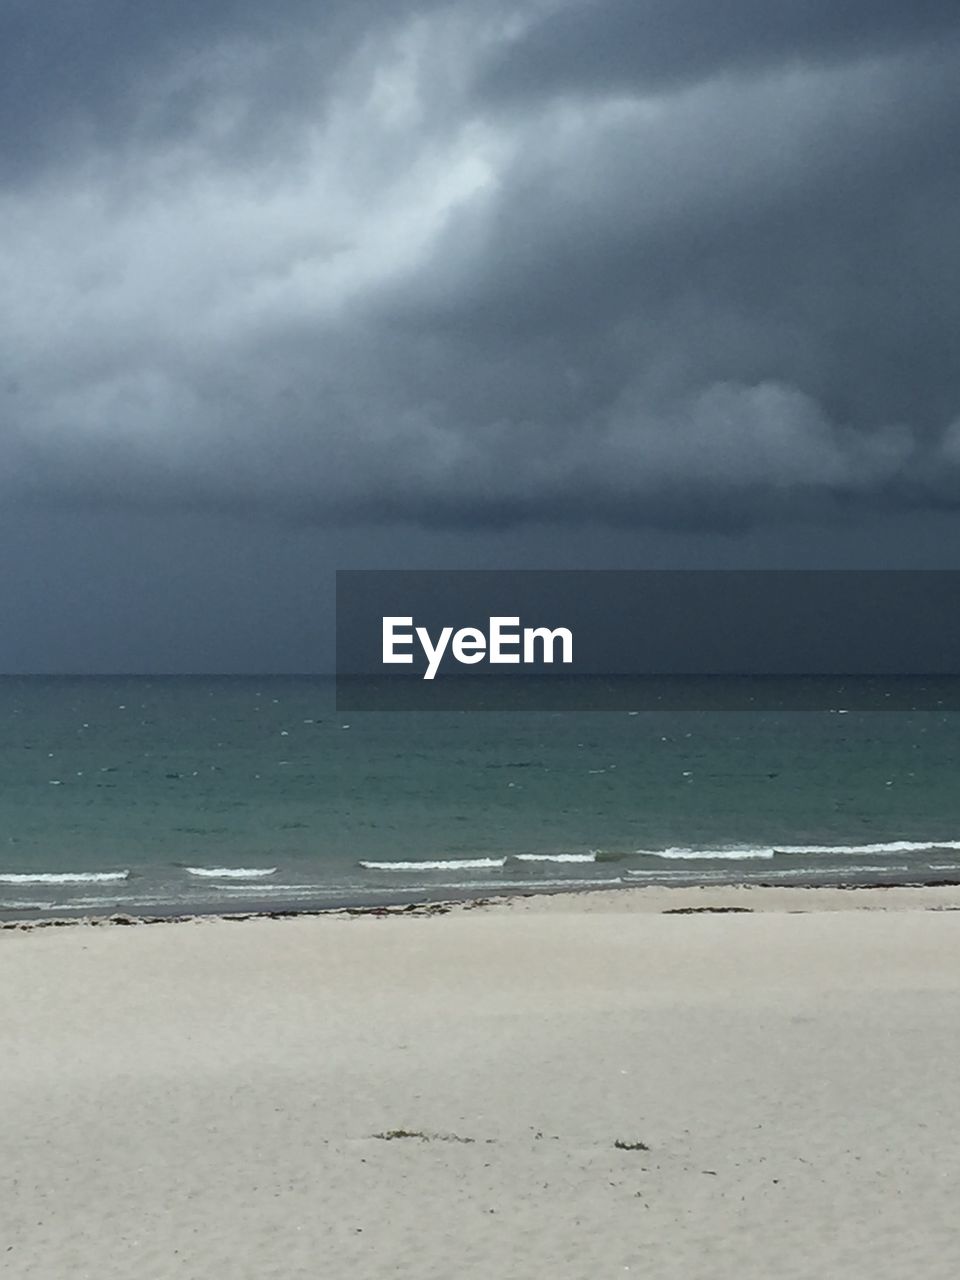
x=200 y=1099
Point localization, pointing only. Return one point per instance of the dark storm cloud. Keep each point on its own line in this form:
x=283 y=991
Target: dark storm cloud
x=606 y=45
x=756 y=234
x=105 y=73
x=419 y=262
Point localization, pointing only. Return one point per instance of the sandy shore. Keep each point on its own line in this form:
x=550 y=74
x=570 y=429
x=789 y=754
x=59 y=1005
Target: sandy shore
x=204 y=1099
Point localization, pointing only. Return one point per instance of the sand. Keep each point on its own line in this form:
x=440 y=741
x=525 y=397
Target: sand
x=204 y=1099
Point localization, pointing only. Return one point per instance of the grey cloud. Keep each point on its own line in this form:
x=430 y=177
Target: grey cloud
x=649 y=45
x=111 y=74
x=732 y=305
x=798 y=234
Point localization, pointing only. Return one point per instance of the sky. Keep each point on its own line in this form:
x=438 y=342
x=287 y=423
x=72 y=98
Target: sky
x=553 y=283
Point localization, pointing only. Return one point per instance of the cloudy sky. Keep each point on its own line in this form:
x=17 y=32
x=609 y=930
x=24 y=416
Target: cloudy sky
x=555 y=283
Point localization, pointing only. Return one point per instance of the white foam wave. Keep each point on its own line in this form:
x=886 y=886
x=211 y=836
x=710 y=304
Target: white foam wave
x=733 y=855
x=785 y=873
x=22 y=904
x=504 y=886
x=274 y=890
x=845 y=869
x=63 y=877
x=555 y=857
x=659 y=874
x=439 y=864
x=886 y=846
x=738 y=853
x=139 y=902
x=231 y=873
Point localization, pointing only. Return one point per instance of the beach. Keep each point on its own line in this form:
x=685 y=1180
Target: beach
x=713 y=1082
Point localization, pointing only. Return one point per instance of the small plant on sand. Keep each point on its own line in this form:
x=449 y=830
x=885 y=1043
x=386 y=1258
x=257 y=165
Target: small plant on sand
x=622 y=1145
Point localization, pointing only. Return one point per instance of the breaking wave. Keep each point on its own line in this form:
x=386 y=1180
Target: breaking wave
x=63 y=877
x=439 y=864
x=738 y=853
x=733 y=855
x=231 y=873
x=555 y=857
x=785 y=873
x=888 y=846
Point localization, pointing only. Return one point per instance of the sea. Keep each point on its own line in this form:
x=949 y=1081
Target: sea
x=179 y=795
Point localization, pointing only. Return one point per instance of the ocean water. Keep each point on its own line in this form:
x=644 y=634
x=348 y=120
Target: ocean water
x=179 y=794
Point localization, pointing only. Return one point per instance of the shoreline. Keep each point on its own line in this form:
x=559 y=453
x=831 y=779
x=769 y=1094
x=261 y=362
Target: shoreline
x=732 y=898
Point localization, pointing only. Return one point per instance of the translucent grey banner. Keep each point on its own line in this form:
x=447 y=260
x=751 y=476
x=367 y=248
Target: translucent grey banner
x=648 y=640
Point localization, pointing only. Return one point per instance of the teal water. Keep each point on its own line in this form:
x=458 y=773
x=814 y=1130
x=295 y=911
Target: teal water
x=181 y=793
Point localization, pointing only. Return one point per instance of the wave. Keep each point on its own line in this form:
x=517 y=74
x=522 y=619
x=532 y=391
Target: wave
x=733 y=854
x=784 y=873
x=844 y=869
x=739 y=853
x=231 y=873
x=555 y=857
x=886 y=846
x=499 y=887
x=659 y=874
x=269 y=890
x=439 y=864
x=63 y=877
